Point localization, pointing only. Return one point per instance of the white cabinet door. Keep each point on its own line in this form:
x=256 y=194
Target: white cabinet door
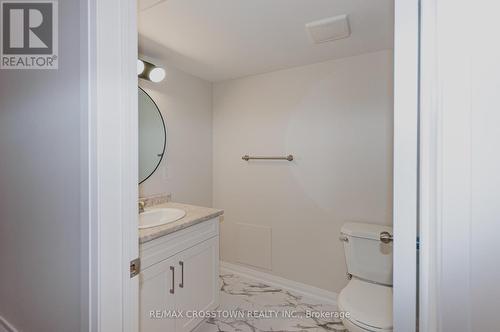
x=197 y=281
x=157 y=296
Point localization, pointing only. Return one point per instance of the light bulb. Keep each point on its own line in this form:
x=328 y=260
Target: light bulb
x=157 y=74
x=140 y=66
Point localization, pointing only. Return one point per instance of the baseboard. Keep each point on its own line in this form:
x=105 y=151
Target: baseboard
x=6 y=326
x=293 y=286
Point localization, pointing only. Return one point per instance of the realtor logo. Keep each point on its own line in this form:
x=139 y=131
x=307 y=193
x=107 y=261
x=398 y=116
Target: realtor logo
x=29 y=37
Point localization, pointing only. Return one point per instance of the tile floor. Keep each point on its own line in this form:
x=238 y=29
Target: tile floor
x=244 y=303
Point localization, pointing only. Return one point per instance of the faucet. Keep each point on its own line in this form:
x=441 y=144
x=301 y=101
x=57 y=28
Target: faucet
x=141 y=206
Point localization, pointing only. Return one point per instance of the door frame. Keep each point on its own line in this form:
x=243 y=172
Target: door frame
x=447 y=153
x=110 y=240
x=406 y=163
x=110 y=298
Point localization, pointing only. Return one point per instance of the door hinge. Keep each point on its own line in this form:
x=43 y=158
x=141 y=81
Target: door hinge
x=135 y=267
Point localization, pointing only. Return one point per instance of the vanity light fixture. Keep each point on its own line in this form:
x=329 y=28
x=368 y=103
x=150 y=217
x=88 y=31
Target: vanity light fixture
x=157 y=74
x=149 y=71
x=140 y=66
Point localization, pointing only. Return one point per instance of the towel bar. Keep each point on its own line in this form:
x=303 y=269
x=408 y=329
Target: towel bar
x=247 y=158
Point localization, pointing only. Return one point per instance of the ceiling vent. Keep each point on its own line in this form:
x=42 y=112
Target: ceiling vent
x=328 y=29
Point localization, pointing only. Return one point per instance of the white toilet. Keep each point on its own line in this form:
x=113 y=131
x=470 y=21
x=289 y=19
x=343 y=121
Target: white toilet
x=368 y=295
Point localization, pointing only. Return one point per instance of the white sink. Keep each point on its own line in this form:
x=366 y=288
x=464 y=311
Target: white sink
x=157 y=217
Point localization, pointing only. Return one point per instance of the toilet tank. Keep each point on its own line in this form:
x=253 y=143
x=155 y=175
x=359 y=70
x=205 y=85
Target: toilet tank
x=366 y=256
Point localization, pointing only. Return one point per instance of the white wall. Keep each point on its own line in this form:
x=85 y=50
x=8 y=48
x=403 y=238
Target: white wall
x=41 y=129
x=336 y=119
x=186 y=105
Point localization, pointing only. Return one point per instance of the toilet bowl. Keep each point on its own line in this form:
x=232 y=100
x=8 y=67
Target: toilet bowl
x=369 y=306
x=367 y=298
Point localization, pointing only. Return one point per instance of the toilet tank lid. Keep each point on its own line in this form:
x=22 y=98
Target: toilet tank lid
x=364 y=230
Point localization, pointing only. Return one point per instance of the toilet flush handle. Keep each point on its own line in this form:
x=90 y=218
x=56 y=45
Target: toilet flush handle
x=386 y=237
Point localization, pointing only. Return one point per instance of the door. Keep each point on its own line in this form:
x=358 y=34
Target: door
x=110 y=148
x=157 y=297
x=198 y=282
x=406 y=168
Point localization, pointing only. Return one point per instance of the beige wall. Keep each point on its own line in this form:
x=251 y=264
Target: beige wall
x=186 y=105
x=336 y=119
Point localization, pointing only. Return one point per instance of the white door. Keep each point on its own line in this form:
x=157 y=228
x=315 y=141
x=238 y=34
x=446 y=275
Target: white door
x=157 y=297
x=111 y=150
x=197 y=281
x=406 y=143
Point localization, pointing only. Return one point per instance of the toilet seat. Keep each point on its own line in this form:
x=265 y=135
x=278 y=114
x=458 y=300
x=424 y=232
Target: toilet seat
x=369 y=305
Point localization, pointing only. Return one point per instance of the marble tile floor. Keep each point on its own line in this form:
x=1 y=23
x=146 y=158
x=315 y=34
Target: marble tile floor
x=250 y=306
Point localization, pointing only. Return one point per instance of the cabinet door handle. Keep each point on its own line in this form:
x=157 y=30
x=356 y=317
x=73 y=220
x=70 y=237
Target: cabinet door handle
x=172 y=289
x=181 y=263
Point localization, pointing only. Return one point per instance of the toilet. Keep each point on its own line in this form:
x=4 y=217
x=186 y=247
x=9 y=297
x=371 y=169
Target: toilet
x=367 y=298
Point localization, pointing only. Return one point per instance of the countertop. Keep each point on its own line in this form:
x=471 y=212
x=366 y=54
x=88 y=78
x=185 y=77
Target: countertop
x=194 y=215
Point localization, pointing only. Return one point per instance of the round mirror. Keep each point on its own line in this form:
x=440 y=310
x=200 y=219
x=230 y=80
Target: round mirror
x=152 y=136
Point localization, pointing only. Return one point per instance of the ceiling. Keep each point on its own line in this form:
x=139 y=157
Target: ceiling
x=224 y=39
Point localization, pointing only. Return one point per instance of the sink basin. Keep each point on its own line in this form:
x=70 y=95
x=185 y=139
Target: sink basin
x=157 y=217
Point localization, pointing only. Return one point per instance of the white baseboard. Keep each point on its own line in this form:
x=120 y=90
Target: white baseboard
x=5 y=326
x=308 y=291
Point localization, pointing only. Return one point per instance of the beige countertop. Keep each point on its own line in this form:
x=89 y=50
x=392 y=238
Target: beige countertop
x=194 y=215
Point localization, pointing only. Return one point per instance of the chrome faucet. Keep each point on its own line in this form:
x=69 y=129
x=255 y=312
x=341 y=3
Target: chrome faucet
x=141 y=206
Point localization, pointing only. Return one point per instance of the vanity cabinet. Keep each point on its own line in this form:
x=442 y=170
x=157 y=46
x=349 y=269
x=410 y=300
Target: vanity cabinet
x=200 y=283
x=179 y=277
x=155 y=297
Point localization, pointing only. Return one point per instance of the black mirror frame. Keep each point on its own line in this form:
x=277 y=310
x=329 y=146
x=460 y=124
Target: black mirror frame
x=164 y=134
